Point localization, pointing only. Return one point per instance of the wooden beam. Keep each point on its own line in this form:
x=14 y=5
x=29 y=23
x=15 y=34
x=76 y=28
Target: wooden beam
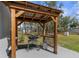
x=20 y=23
x=45 y=17
x=13 y=33
x=55 y=35
x=54 y=19
x=19 y=13
x=40 y=24
x=44 y=32
x=32 y=5
x=33 y=11
x=48 y=20
x=16 y=33
x=38 y=18
x=46 y=28
x=30 y=20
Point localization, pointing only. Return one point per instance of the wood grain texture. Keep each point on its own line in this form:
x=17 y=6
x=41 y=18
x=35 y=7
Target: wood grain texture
x=13 y=33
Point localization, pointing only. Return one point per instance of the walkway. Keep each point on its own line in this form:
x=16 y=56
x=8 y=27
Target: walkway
x=23 y=53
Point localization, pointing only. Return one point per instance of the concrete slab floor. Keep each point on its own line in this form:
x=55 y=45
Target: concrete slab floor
x=23 y=53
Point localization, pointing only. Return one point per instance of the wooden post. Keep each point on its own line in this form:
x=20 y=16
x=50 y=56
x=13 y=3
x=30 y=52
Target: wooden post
x=16 y=32
x=13 y=33
x=43 y=32
x=47 y=29
x=38 y=30
x=55 y=35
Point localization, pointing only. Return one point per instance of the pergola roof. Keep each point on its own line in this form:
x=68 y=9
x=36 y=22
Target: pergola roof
x=34 y=12
x=25 y=11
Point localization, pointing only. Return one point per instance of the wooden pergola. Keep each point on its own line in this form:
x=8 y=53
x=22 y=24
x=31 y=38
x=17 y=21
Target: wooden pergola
x=33 y=13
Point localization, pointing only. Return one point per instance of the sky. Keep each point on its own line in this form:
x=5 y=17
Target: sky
x=70 y=8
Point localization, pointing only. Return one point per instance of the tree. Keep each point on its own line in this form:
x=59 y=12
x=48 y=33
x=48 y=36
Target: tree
x=74 y=22
x=66 y=23
x=53 y=4
x=60 y=29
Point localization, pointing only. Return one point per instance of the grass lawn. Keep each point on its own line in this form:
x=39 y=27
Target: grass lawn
x=70 y=42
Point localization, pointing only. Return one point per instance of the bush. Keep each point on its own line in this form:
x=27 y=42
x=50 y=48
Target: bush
x=21 y=37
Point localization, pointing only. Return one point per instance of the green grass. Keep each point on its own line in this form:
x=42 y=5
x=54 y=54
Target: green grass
x=70 y=42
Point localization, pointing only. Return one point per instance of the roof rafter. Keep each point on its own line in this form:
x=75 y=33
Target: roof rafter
x=32 y=11
x=29 y=20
